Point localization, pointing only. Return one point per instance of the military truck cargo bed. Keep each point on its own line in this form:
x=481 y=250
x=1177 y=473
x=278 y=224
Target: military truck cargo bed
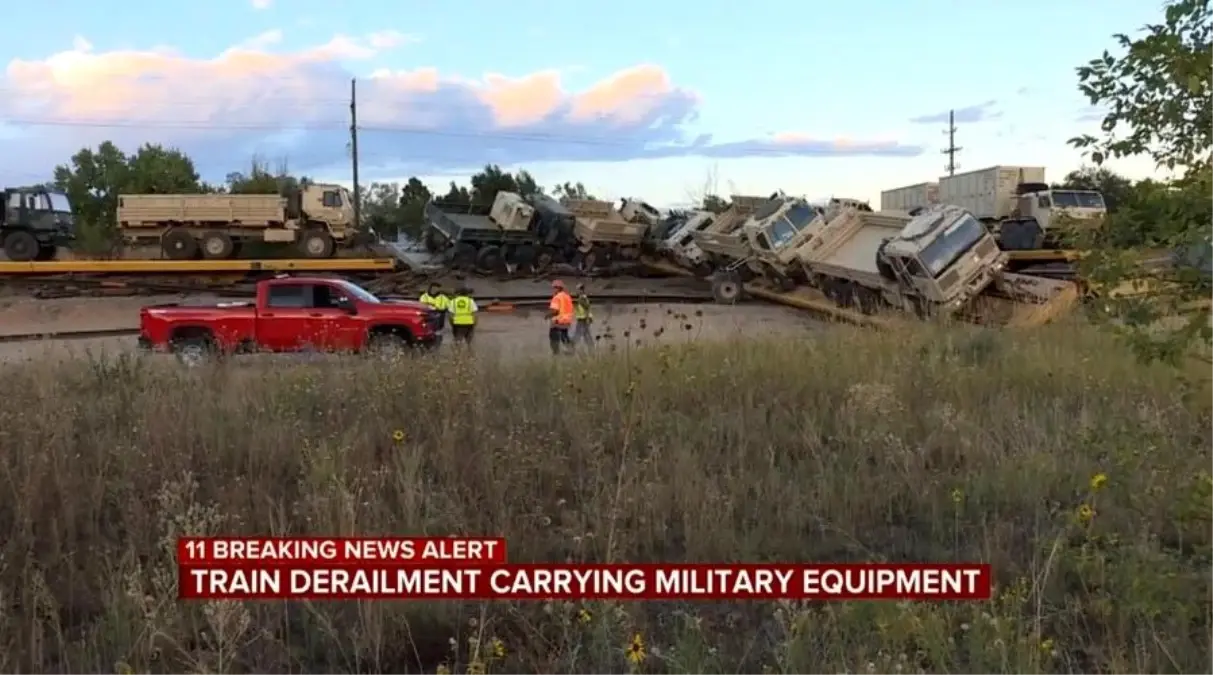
x=245 y=210
x=471 y=226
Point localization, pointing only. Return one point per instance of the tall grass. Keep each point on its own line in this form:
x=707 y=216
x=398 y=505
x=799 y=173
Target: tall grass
x=1081 y=475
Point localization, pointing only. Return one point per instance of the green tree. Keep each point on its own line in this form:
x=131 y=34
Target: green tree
x=567 y=190
x=1115 y=188
x=714 y=203
x=1160 y=102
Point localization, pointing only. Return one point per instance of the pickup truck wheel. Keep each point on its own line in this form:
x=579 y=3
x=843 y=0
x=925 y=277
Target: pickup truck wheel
x=193 y=352
x=217 y=245
x=20 y=246
x=386 y=345
x=179 y=245
x=316 y=244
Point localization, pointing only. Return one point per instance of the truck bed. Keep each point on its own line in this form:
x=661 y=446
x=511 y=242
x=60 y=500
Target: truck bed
x=732 y=245
x=245 y=210
x=471 y=227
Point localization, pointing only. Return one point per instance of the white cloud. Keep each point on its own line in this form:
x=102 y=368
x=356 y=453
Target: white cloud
x=262 y=4
x=223 y=109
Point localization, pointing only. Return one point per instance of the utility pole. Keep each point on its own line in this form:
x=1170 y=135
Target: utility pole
x=951 y=150
x=354 y=150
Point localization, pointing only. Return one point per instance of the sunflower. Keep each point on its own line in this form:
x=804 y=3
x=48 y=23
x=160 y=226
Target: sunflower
x=635 y=650
x=398 y=435
x=1098 y=481
x=1085 y=513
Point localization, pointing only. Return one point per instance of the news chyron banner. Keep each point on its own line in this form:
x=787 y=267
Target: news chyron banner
x=476 y=568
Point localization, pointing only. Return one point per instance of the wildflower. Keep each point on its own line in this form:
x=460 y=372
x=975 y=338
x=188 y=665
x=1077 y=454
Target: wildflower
x=476 y=667
x=635 y=651
x=958 y=495
x=442 y=669
x=398 y=435
x=497 y=648
x=123 y=668
x=1085 y=513
x=1046 y=645
x=584 y=616
x=1098 y=481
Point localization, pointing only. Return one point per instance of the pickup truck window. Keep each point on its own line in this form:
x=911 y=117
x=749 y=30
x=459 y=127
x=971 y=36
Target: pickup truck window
x=288 y=296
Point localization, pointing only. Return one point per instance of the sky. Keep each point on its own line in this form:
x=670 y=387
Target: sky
x=658 y=100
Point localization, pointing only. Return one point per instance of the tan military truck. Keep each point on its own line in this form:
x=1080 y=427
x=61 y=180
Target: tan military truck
x=710 y=245
x=603 y=234
x=317 y=218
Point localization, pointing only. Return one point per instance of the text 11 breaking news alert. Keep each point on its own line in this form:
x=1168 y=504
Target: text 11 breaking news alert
x=341 y=550
x=540 y=581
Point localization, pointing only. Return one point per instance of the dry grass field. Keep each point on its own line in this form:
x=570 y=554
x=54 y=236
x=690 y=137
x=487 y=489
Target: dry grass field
x=1081 y=475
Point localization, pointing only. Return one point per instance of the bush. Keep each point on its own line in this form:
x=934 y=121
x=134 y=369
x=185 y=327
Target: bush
x=1079 y=473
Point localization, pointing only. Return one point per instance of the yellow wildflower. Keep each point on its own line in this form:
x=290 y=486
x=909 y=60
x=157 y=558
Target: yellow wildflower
x=1098 y=481
x=635 y=651
x=476 y=667
x=497 y=648
x=123 y=668
x=958 y=495
x=398 y=435
x=584 y=616
x=1046 y=645
x=1085 y=513
x=442 y=669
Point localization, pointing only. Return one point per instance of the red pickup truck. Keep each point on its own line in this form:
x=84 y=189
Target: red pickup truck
x=290 y=314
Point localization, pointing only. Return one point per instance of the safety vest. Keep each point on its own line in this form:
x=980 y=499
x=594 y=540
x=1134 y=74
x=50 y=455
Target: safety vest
x=461 y=311
x=562 y=302
x=581 y=308
x=438 y=302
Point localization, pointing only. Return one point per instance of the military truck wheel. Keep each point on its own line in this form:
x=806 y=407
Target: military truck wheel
x=464 y=256
x=179 y=245
x=317 y=244
x=46 y=252
x=217 y=245
x=489 y=259
x=20 y=246
x=523 y=257
x=726 y=289
x=544 y=259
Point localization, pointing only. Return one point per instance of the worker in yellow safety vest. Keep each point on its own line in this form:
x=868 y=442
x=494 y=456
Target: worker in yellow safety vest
x=435 y=298
x=560 y=313
x=463 y=311
x=584 y=317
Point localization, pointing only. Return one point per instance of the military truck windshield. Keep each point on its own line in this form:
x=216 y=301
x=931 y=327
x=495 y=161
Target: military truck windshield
x=781 y=232
x=60 y=203
x=800 y=216
x=953 y=242
x=1077 y=200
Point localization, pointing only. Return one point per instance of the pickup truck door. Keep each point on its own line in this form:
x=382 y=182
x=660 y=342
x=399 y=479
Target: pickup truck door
x=282 y=325
x=329 y=326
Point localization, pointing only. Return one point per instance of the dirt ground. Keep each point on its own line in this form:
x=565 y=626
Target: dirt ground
x=514 y=334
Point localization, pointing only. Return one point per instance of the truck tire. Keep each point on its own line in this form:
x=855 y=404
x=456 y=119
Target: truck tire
x=432 y=241
x=217 y=245
x=544 y=258
x=316 y=244
x=20 y=246
x=46 y=252
x=523 y=258
x=192 y=352
x=178 y=244
x=489 y=259
x=726 y=289
x=464 y=256
x=386 y=344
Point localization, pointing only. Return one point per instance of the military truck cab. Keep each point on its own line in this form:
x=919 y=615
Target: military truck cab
x=36 y=221
x=637 y=211
x=1041 y=211
x=944 y=256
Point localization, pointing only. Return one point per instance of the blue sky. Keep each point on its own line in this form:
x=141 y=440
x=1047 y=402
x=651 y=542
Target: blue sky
x=813 y=98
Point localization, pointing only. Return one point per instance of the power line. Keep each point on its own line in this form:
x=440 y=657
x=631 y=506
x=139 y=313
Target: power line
x=951 y=150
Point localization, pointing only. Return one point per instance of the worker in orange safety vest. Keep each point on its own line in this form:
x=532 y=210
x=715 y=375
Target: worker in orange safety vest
x=560 y=314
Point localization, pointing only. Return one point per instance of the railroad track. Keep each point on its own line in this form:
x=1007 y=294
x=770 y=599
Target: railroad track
x=501 y=303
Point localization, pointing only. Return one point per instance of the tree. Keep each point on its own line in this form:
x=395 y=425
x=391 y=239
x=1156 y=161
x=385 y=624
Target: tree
x=1160 y=102
x=714 y=203
x=569 y=190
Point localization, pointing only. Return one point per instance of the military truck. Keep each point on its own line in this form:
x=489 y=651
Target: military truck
x=514 y=233
x=638 y=211
x=34 y=223
x=603 y=234
x=315 y=217
x=709 y=243
x=931 y=263
x=1020 y=207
